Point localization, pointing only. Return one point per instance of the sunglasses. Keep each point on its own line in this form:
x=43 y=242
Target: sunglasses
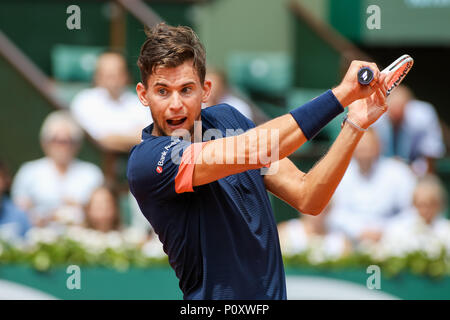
x=61 y=141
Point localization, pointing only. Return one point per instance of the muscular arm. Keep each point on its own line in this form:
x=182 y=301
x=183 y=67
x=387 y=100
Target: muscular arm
x=231 y=155
x=309 y=193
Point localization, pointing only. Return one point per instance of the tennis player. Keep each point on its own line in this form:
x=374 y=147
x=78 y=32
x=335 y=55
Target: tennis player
x=207 y=200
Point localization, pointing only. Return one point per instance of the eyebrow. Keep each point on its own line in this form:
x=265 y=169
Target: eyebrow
x=165 y=85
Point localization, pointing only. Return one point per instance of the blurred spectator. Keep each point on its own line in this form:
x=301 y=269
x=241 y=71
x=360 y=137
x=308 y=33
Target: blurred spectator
x=372 y=191
x=411 y=130
x=423 y=224
x=103 y=217
x=222 y=93
x=110 y=113
x=310 y=233
x=55 y=187
x=102 y=210
x=13 y=222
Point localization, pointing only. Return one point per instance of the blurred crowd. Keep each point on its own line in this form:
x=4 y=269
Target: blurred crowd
x=390 y=196
x=60 y=194
x=390 y=199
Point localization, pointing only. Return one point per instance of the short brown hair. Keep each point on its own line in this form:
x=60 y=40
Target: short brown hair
x=170 y=47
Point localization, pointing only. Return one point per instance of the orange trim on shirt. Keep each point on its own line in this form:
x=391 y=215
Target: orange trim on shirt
x=183 y=180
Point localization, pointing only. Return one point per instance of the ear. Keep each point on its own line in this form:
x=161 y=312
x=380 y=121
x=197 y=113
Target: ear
x=207 y=84
x=141 y=93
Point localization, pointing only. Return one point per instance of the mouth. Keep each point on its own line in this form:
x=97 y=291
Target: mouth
x=176 y=122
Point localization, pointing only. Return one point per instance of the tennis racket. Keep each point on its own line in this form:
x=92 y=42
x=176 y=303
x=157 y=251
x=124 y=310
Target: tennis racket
x=400 y=67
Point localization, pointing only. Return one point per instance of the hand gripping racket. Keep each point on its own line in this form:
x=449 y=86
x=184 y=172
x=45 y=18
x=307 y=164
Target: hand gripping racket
x=400 y=67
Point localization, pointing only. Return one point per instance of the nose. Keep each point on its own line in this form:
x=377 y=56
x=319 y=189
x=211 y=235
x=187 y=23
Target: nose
x=176 y=104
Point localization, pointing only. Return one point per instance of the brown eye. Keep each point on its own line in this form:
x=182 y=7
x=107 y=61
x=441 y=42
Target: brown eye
x=186 y=90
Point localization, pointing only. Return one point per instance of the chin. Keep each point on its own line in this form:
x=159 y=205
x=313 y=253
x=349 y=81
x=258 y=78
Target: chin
x=181 y=133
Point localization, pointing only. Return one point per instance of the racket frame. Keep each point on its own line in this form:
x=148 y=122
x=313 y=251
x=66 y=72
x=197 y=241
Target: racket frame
x=401 y=67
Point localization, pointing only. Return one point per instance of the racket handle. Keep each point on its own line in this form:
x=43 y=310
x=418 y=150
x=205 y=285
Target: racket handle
x=365 y=76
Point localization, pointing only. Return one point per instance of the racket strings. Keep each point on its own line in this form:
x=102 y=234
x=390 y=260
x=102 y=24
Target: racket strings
x=399 y=75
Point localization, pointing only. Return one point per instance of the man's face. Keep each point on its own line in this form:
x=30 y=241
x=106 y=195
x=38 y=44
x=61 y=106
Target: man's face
x=428 y=203
x=175 y=97
x=60 y=145
x=112 y=74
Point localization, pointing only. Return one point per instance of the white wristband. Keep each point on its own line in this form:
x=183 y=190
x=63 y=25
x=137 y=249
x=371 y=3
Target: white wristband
x=354 y=125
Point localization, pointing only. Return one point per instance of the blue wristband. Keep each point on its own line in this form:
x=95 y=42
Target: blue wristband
x=317 y=113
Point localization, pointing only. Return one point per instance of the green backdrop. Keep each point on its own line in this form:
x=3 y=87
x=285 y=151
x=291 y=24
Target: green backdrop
x=160 y=283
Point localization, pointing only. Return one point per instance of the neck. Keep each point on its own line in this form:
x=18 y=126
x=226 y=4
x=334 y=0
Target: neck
x=156 y=131
x=115 y=95
x=365 y=168
x=61 y=167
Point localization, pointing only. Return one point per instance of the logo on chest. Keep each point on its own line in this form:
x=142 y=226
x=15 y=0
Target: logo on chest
x=159 y=168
